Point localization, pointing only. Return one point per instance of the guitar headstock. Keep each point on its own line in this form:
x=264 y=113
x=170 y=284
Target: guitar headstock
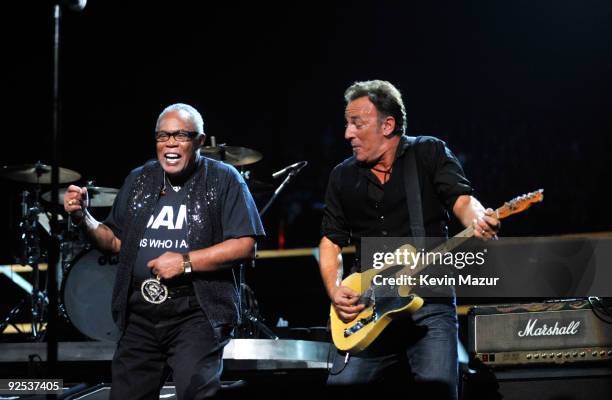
x=520 y=203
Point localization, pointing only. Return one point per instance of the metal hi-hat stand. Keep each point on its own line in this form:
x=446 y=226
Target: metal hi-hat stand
x=30 y=254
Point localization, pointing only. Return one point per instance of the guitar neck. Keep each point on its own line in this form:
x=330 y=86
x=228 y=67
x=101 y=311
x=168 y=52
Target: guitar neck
x=455 y=242
x=446 y=247
x=514 y=206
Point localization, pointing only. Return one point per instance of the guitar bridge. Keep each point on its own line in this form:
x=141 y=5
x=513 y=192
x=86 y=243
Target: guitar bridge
x=359 y=325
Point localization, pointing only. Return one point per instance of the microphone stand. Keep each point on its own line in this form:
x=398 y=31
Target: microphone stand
x=54 y=242
x=278 y=190
x=249 y=321
x=54 y=246
x=247 y=316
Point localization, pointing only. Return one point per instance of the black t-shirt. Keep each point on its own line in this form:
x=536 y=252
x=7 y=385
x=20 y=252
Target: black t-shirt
x=357 y=205
x=166 y=229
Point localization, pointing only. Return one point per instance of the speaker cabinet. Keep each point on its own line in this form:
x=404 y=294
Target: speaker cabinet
x=555 y=383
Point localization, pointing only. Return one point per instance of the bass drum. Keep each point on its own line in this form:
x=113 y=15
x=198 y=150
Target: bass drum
x=87 y=291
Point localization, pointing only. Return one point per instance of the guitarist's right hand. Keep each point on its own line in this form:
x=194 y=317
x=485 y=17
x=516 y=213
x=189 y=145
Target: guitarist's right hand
x=345 y=301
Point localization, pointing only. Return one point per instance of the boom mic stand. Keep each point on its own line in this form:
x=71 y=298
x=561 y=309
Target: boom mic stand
x=249 y=313
x=292 y=173
x=54 y=247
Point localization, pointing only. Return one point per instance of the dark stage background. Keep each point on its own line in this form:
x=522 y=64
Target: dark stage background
x=519 y=90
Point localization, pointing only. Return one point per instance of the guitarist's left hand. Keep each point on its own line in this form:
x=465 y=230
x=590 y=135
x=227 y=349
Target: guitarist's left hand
x=470 y=212
x=487 y=225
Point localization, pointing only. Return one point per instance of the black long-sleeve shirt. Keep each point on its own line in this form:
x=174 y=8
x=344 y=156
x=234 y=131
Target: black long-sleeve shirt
x=357 y=205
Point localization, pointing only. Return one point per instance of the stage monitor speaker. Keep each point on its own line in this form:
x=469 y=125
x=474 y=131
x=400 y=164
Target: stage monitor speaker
x=558 y=383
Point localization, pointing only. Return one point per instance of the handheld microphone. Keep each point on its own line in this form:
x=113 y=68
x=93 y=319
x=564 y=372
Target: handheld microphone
x=292 y=168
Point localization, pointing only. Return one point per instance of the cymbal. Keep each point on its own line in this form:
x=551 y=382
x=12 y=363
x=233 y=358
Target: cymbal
x=98 y=196
x=37 y=173
x=233 y=155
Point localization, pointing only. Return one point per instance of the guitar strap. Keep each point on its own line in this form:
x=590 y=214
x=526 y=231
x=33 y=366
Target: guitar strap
x=413 y=190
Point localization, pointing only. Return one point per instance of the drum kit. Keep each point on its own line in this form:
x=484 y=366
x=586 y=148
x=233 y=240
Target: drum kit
x=76 y=254
x=84 y=274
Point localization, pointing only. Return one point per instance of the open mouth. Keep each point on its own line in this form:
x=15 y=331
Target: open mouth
x=172 y=158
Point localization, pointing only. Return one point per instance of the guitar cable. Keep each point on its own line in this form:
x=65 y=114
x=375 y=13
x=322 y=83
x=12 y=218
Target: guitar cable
x=330 y=357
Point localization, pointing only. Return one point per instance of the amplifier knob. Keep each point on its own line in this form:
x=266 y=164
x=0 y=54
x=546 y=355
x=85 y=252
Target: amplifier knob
x=575 y=354
x=536 y=356
x=567 y=355
x=582 y=354
x=544 y=355
x=594 y=354
x=552 y=355
x=602 y=353
x=559 y=355
x=610 y=352
x=529 y=356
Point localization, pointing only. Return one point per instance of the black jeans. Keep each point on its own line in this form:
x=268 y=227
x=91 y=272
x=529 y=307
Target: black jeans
x=173 y=336
x=421 y=349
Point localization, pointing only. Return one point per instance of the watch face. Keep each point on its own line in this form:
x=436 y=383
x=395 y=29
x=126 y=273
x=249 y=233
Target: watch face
x=187 y=267
x=186 y=264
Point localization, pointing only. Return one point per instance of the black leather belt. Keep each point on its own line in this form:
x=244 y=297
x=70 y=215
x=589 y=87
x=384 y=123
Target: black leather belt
x=180 y=291
x=175 y=291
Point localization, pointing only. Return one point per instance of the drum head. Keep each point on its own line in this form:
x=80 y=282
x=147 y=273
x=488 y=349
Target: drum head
x=87 y=294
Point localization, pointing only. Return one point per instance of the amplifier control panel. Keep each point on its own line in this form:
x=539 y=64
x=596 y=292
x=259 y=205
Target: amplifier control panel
x=560 y=356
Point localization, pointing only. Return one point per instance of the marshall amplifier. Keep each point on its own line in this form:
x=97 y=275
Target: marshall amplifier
x=540 y=333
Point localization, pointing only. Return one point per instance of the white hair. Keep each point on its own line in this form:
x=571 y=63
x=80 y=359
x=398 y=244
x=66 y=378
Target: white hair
x=195 y=115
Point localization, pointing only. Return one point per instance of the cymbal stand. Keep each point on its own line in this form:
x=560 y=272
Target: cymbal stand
x=250 y=324
x=30 y=254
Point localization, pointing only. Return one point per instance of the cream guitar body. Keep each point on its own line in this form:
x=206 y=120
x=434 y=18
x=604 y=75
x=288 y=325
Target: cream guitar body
x=384 y=303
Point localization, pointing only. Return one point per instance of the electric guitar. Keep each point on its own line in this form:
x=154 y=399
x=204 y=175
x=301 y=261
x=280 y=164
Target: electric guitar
x=358 y=334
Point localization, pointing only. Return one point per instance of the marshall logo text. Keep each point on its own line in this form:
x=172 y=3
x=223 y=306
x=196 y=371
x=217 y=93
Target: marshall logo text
x=531 y=329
